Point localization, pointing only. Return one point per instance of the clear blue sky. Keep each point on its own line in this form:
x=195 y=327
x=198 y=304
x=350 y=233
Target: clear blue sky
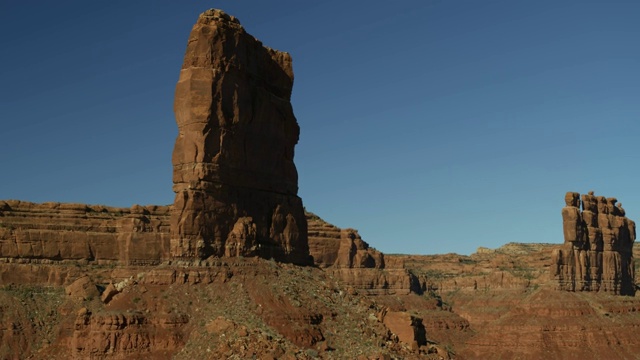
x=429 y=126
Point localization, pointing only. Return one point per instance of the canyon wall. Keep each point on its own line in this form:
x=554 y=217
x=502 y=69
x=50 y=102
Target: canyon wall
x=331 y=246
x=343 y=253
x=597 y=254
x=235 y=181
x=32 y=232
x=52 y=233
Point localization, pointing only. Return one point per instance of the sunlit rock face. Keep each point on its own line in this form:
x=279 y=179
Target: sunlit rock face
x=86 y=233
x=598 y=242
x=234 y=177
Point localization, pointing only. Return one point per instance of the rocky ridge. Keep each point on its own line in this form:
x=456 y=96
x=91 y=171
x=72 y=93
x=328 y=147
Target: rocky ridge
x=79 y=232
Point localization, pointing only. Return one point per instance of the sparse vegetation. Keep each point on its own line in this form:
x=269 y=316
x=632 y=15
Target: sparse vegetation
x=519 y=270
x=31 y=308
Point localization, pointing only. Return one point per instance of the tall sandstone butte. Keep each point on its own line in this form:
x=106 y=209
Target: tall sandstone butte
x=233 y=173
x=597 y=254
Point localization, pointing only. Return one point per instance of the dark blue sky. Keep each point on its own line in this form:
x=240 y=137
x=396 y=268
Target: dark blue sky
x=430 y=126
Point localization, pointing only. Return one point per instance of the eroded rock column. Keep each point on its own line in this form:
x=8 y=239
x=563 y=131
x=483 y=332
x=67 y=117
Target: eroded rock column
x=597 y=254
x=235 y=181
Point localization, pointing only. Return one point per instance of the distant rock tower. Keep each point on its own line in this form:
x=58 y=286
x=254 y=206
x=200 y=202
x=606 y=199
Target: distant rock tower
x=233 y=173
x=597 y=254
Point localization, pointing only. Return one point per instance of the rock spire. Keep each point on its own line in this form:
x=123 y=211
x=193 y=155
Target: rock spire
x=597 y=254
x=233 y=173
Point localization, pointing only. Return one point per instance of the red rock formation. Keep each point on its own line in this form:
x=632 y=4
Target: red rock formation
x=57 y=231
x=234 y=176
x=598 y=251
x=82 y=289
x=343 y=254
x=331 y=246
x=235 y=181
x=407 y=328
x=123 y=335
x=236 y=188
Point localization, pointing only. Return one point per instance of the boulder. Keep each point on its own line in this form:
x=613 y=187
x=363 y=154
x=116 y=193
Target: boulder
x=82 y=289
x=408 y=328
x=109 y=292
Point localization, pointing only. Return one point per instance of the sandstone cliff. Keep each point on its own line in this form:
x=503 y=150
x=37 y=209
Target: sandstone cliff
x=331 y=246
x=235 y=181
x=344 y=254
x=101 y=234
x=597 y=253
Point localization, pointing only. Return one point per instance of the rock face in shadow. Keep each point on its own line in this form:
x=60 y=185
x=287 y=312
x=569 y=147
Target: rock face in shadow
x=597 y=254
x=235 y=181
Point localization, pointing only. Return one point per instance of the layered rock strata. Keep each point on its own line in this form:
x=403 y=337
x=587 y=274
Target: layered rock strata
x=32 y=232
x=343 y=253
x=235 y=181
x=597 y=254
x=331 y=246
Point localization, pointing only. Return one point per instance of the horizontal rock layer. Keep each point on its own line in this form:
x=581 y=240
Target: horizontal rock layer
x=348 y=258
x=331 y=246
x=56 y=231
x=50 y=233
